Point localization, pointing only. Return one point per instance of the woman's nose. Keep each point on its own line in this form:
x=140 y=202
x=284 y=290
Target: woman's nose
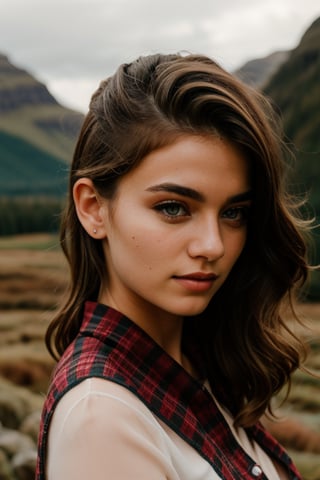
x=207 y=241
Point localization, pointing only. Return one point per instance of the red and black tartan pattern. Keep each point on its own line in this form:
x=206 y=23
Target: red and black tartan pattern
x=111 y=346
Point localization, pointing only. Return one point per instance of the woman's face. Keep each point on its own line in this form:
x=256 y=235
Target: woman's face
x=175 y=229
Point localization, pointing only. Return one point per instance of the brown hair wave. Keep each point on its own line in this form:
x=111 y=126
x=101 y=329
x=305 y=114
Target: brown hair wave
x=148 y=104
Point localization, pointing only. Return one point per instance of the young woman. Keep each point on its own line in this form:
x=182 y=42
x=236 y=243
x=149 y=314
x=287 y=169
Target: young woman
x=183 y=246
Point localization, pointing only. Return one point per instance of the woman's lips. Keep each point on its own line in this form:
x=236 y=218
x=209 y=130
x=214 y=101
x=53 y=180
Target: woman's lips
x=197 y=281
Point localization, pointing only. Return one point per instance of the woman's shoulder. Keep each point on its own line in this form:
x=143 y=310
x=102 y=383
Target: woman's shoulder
x=96 y=425
x=98 y=399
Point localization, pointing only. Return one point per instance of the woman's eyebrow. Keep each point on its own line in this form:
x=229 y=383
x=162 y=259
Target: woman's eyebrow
x=241 y=197
x=194 y=194
x=178 y=189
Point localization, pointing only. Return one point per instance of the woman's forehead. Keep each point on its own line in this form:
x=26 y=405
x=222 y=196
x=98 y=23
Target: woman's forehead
x=196 y=163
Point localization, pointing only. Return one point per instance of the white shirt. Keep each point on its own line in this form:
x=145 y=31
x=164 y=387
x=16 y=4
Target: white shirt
x=100 y=431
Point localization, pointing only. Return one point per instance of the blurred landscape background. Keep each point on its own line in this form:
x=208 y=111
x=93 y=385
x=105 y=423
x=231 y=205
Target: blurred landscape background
x=37 y=136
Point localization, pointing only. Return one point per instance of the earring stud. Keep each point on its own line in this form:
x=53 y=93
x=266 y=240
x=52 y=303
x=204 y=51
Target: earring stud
x=94 y=230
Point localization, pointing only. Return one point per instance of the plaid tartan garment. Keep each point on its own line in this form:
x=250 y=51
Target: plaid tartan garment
x=111 y=346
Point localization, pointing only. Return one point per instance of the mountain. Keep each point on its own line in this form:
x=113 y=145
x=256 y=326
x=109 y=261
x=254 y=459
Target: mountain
x=292 y=81
x=295 y=89
x=37 y=134
x=259 y=71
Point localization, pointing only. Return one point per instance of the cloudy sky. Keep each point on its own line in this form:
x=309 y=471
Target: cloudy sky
x=72 y=44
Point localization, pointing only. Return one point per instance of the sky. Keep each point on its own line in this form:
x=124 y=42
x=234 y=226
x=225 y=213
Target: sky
x=71 y=45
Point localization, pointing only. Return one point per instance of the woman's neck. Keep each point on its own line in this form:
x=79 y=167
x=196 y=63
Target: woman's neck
x=164 y=328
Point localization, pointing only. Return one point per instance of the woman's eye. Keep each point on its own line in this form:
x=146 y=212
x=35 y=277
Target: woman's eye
x=172 y=209
x=238 y=215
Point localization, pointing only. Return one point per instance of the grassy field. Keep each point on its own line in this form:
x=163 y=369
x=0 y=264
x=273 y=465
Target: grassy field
x=32 y=279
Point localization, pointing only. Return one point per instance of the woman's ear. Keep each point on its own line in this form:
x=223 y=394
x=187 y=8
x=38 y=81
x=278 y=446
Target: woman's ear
x=89 y=208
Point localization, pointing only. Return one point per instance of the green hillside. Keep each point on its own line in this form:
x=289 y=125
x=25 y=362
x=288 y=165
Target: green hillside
x=27 y=170
x=48 y=127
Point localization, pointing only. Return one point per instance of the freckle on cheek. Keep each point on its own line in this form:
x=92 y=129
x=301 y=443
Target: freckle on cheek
x=133 y=238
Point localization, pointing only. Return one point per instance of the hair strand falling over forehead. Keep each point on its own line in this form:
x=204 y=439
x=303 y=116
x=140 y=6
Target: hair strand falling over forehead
x=149 y=104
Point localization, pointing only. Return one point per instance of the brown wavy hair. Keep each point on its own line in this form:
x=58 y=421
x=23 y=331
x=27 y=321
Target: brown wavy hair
x=145 y=105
